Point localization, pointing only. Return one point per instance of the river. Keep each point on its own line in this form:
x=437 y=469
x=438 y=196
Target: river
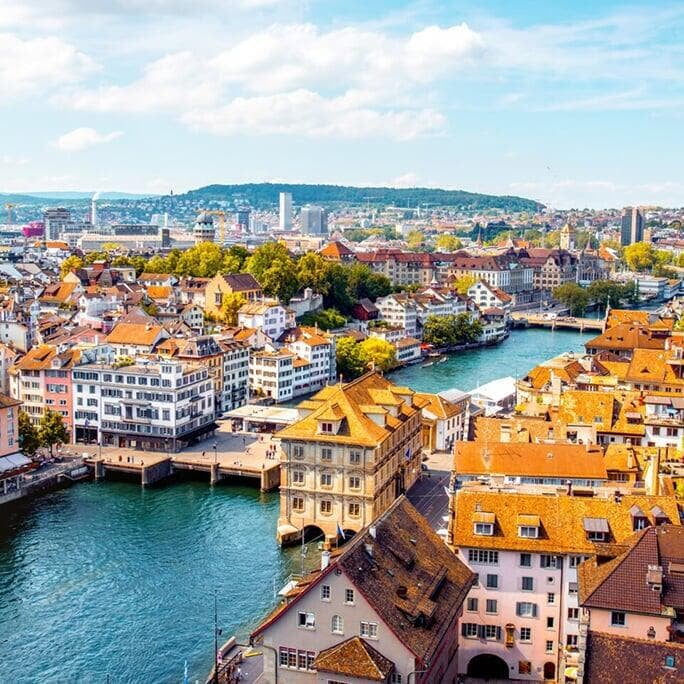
x=110 y=582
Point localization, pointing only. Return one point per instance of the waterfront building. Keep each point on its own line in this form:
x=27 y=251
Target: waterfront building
x=506 y=272
x=621 y=340
x=444 y=421
x=385 y=608
x=355 y=449
x=317 y=349
x=41 y=380
x=408 y=350
x=271 y=317
x=643 y=626
x=631 y=226
x=148 y=405
x=551 y=268
x=497 y=396
x=272 y=373
x=486 y=296
x=285 y=213
x=522 y=617
x=399 y=311
x=9 y=425
x=244 y=284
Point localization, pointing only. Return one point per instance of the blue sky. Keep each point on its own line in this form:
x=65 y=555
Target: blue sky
x=573 y=103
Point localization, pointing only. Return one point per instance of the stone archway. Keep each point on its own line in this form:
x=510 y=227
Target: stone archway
x=488 y=666
x=313 y=533
x=550 y=671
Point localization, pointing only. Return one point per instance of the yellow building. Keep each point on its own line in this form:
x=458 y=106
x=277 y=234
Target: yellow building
x=355 y=449
x=230 y=283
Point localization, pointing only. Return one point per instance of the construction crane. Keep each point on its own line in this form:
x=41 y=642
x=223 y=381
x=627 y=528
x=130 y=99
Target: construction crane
x=222 y=223
x=9 y=206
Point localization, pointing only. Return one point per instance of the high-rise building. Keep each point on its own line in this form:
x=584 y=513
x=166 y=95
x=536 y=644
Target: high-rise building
x=632 y=226
x=204 y=228
x=285 y=211
x=54 y=220
x=242 y=218
x=314 y=220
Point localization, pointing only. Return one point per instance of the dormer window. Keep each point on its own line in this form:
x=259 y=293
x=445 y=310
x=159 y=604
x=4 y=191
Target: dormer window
x=327 y=427
x=528 y=526
x=596 y=528
x=486 y=529
x=639 y=519
x=483 y=523
x=528 y=531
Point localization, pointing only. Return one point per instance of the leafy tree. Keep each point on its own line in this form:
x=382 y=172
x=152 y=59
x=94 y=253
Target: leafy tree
x=325 y=319
x=448 y=243
x=230 y=305
x=272 y=265
x=230 y=264
x=338 y=294
x=151 y=309
x=241 y=254
x=312 y=271
x=350 y=363
x=110 y=246
x=605 y=291
x=464 y=283
x=51 y=430
x=157 y=264
x=574 y=296
x=71 y=262
x=467 y=329
x=533 y=236
x=364 y=282
x=451 y=330
x=29 y=441
x=640 y=256
x=552 y=239
x=415 y=239
x=378 y=353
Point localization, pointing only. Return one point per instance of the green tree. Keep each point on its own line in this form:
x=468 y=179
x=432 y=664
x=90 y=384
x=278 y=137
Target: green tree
x=439 y=331
x=640 y=256
x=325 y=319
x=448 y=243
x=71 y=262
x=607 y=291
x=552 y=239
x=230 y=305
x=241 y=254
x=157 y=264
x=51 y=430
x=350 y=364
x=338 y=293
x=272 y=265
x=415 y=239
x=574 y=296
x=29 y=441
x=110 y=246
x=312 y=271
x=464 y=283
x=378 y=353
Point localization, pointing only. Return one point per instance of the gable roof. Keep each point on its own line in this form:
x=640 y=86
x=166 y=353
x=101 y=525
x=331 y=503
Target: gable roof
x=241 y=282
x=135 y=333
x=354 y=657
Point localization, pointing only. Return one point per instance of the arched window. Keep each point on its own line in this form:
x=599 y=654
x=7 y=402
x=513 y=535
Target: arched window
x=337 y=624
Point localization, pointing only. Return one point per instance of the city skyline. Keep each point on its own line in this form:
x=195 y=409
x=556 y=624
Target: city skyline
x=570 y=105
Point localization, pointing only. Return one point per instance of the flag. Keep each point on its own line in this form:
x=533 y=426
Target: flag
x=340 y=531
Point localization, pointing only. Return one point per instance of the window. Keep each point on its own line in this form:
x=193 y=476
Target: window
x=395 y=678
x=596 y=536
x=526 y=609
x=550 y=622
x=306 y=620
x=298 y=503
x=349 y=597
x=486 y=529
x=670 y=661
x=571 y=641
x=326 y=454
x=354 y=457
x=550 y=598
x=326 y=479
x=325 y=592
x=354 y=482
x=337 y=624
x=483 y=557
x=326 y=507
x=549 y=646
x=574 y=561
x=524 y=667
x=469 y=630
x=298 y=451
x=617 y=618
x=528 y=532
x=573 y=613
x=546 y=561
x=298 y=477
x=492 y=582
x=471 y=605
x=572 y=588
x=492 y=606
x=525 y=560
x=527 y=584
x=491 y=632
x=327 y=427
x=354 y=510
x=525 y=634
x=369 y=630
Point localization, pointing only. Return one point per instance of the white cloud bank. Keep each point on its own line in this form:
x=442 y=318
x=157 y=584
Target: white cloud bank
x=82 y=138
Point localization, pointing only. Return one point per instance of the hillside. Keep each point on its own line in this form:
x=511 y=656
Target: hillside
x=263 y=195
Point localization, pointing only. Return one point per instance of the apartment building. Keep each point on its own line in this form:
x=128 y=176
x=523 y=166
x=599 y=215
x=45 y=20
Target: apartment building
x=399 y=311
x=268 y=315
x=216 y=288
x=522 y=617
x=486 y=296
x=9 y=425
x=385 y=608
x=149 y=405
x=317 y=350
x=624 y=339
x=551 y=268
x=355 y=449
x=272 y=373
x=643 y=626
x=134 y=338
x=235 y=373
x=445 y=421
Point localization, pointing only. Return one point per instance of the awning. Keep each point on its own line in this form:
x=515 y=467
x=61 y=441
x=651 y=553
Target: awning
x=480 y=517
x=13 y=461
x=595 y=525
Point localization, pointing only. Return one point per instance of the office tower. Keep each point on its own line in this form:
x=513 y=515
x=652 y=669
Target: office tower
x=632 y=226
x=242 y=218
x=54 y=220
x=285 y=211
x=314 y=220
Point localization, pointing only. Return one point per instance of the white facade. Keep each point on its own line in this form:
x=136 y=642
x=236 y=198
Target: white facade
x=273 y=318
x=285 y=213
x=399 y=312
x=272 y=374
x=235 y=375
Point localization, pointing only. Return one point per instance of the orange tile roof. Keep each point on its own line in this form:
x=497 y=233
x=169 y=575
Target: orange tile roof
x=159 y=291
x=135 y=333
x=354 y=658
x=627 y=336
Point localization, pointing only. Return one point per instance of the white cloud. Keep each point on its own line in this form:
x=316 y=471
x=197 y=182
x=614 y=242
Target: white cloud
x=83 y=138
x=30 y=66
x=406 y=180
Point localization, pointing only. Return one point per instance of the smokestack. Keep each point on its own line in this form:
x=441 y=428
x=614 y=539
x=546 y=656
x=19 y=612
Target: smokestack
x=325 y=560
x=93 y=208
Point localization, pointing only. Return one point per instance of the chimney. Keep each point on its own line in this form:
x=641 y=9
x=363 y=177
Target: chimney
x=369 y=549
x=325 y=560
x=568 y=484
x=372 y=530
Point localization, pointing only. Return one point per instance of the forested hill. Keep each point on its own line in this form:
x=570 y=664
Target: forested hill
x=264 y=195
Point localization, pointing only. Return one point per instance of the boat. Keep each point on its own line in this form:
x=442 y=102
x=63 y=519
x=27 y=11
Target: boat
x=425 y=365
x=434 y=354
x=443 y=360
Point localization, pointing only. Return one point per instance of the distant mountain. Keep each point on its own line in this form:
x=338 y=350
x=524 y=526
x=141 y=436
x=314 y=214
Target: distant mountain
x=262 y=195
x=76 y=195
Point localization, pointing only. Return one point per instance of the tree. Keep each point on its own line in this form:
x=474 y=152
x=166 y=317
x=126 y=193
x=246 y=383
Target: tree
x=272 y=265
x=29 y=441
x=451 y=330
x=552 y=239
x=349 y=362
x=640 y=256
x=377 y=353
x=150 y=308
x=230 y=305
x=312 y=271
x=464 y=283
x=448 y=243
x=157 y=264
x=574 y=296
x=325 y=319
x=110 y=246
x=70 y=263
x=415 y=239
x=51 y=430
x=338 y=294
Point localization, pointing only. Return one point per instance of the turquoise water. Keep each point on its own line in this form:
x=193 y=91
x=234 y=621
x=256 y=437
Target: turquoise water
x=516 y=355
x=107 y=581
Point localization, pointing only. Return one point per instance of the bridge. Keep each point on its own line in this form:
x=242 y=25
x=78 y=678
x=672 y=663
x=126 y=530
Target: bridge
x=567 y=322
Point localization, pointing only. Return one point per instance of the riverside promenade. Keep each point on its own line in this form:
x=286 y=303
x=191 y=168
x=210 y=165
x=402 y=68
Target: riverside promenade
x=249 y=456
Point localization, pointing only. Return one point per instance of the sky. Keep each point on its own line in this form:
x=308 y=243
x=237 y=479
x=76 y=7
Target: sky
x=576 y=104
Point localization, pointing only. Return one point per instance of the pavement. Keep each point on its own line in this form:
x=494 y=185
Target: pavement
x=428 y=495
